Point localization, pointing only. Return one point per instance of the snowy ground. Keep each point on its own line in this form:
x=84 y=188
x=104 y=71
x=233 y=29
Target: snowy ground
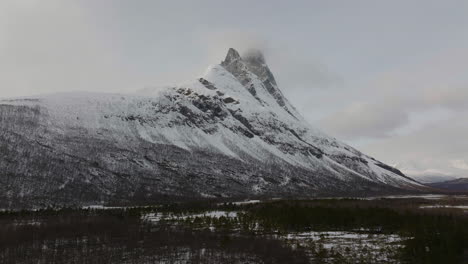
x=247 y=202
x=358 y=244
x=463 y=207
x=157 y=217
x=421 y=196
x=378 y=248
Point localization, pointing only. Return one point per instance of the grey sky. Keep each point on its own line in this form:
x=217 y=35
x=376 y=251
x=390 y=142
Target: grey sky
x=389 y=77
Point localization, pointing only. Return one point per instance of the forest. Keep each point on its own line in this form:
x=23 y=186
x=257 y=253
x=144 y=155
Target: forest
x=280 y=231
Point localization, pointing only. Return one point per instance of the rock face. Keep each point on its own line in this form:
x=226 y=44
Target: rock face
x=230 y=133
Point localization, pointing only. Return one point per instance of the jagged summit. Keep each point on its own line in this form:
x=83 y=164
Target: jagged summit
x=231 y=56
x=256 y=63
x=253 y=62
x=252 y=54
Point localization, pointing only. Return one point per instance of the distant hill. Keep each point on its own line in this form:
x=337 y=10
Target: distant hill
x=460 y=185
x=433 y=178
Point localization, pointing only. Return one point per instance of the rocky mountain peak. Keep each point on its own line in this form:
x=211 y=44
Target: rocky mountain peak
x=234 y=64
x=232 y=56
x=252 y=63
x=255 y=62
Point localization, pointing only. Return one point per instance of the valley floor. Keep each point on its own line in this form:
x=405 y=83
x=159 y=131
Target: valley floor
x=416 y=229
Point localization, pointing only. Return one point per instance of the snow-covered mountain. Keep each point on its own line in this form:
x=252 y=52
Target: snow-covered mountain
x=230 y=133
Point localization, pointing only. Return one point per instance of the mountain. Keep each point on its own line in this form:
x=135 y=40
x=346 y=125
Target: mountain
x=231 y=133
x=457 y=185
x=432 y=177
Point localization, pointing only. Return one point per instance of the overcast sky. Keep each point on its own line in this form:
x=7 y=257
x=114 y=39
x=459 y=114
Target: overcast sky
x=388 y=77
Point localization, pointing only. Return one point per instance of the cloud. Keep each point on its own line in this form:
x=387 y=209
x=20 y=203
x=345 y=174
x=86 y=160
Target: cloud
x=361 y=120
x=218 y=42
x=450 y=97
x=460 y=164
x=440 y=146
x=384 y=105
x=52 y=46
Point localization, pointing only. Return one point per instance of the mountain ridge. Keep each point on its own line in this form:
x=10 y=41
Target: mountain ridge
x=456 y=185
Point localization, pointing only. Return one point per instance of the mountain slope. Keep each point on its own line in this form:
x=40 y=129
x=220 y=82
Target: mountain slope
x=231 y=133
